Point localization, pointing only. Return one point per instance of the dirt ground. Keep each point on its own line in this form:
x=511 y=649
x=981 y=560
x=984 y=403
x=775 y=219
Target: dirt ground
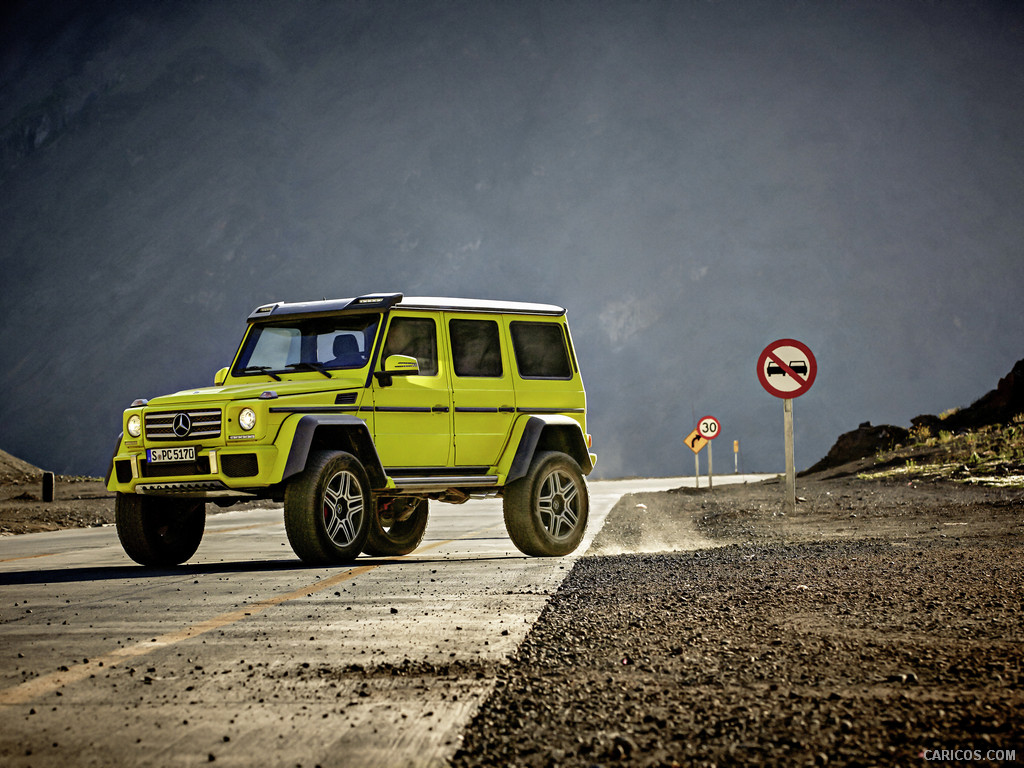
x=79 y=502
x=881 y=624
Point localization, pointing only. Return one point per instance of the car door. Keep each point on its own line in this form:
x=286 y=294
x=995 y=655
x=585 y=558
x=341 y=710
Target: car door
x=412 y=419
x=483 y=394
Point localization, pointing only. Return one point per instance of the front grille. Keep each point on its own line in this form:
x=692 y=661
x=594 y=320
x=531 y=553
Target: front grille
x=239 y=464
x=204 y=424
x=201 y=466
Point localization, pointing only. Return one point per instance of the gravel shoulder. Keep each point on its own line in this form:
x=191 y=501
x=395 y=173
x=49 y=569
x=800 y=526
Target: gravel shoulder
x=880 y=624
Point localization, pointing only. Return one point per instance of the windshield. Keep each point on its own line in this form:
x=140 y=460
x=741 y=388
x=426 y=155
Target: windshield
x=311 y=344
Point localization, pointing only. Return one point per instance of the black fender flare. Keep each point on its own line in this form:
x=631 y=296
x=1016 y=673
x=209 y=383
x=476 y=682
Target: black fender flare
x=560 y=433
x=339 y=431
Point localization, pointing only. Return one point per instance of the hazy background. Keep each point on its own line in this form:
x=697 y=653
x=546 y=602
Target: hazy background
x=692 y=180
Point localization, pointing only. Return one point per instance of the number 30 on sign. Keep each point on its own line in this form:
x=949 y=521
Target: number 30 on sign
x=708 y=427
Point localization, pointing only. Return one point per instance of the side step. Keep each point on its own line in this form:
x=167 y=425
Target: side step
x=434 y=483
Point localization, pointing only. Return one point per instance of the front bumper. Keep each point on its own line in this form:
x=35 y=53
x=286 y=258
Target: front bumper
x=216 y=472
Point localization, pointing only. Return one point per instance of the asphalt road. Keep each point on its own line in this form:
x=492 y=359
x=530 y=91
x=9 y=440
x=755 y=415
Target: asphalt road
x=246 y=657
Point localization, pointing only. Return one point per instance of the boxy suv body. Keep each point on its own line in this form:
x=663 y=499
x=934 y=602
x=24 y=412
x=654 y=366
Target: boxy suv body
x=355 y=413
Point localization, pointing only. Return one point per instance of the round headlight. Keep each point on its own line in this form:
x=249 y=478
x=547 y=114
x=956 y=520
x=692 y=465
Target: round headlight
x=247 y=419
x=135 y=425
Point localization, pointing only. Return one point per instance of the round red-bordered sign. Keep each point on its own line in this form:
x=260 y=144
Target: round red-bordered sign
x=786 y=368
x=708 y=427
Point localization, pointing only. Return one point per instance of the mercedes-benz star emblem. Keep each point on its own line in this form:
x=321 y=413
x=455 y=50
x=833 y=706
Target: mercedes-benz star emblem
x=181 y=425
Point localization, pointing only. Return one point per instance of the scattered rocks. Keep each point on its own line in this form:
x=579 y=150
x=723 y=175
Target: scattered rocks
x=795 y=641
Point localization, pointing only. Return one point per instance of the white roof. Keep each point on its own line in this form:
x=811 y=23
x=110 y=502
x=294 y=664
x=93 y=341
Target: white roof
x=478 y=305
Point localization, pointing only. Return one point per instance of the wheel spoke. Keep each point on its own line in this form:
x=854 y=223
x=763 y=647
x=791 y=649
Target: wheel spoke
x=569 y=492
x=557 y=504
x=569 y=517
x=343 y=507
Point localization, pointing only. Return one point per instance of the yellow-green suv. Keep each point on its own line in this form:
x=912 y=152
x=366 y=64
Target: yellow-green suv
x=354 y=413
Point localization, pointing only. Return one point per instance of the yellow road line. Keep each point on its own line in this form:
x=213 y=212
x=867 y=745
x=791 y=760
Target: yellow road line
x=39 y=686
x=28 y=557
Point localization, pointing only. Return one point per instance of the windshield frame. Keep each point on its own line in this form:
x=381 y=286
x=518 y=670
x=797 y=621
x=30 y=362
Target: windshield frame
x=306 y=345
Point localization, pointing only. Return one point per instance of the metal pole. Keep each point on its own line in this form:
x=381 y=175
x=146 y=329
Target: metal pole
x=790 y=457
x=735 y=457
x=711 y=483
x=696 y=470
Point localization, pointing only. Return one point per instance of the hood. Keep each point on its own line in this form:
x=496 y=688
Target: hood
x=252 y=390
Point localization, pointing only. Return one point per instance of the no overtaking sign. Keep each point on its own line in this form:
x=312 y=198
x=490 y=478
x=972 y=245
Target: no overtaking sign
x=786 y=368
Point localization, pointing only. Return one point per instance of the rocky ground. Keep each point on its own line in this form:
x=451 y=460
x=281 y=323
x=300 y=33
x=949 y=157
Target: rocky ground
x=880 y=624
x=78 y=502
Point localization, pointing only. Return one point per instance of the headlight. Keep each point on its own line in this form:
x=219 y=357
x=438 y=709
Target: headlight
x=247 y=419
x=135 y=425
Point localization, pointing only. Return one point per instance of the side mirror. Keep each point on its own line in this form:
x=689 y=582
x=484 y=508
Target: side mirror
x=397 y=365
x=401 y=365
x=220 y=377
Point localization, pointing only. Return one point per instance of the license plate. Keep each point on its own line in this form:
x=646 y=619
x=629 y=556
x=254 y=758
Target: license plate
x=159 y=455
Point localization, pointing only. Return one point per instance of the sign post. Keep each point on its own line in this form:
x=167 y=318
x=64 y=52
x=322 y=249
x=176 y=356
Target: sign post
x=735 y=457
x=694 y=441
x=708 y=428
x=787 y=369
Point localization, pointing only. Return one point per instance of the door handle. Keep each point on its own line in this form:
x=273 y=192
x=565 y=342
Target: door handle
x=439 y=409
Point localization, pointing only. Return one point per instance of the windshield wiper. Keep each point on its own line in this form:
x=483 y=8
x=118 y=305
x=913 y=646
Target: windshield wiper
x=319 y=367
x=261 y=369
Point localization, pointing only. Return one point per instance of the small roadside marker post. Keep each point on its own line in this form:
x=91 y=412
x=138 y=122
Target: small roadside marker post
x=786 y=369
x=735 y=457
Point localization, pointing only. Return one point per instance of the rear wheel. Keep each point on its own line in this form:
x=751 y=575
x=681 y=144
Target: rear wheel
x=327 y=509
x=546 y=511
x=397 y=527
x=159 y=532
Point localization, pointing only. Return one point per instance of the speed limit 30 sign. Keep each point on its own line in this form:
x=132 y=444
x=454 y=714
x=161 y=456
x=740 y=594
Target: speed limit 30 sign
x=708 y=427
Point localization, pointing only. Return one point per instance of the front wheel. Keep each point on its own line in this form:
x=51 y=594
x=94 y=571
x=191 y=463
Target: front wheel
x=327 y=509
x=397 y=527
x=546 y=511
x=159 y=532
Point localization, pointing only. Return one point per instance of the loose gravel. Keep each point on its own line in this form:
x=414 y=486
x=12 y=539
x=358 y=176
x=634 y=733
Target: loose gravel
x=881 y=624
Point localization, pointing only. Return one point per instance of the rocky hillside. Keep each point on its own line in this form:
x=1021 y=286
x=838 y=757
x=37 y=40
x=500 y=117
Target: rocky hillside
x=14 y=470
x=999 y=407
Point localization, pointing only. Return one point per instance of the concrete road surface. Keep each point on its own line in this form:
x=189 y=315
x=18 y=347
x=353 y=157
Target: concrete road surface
x=245 y=657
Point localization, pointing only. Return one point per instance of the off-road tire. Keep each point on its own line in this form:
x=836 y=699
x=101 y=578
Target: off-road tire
x=159 y=532
x=399 y=529
x=327 y=511
x=546 y=511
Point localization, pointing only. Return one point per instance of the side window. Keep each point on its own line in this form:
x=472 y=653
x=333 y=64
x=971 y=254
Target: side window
x=476 y=348
x=540 y=351
x=415 y=337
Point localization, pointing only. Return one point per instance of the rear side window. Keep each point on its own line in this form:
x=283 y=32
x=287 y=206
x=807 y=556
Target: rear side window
x=476 y=348
x=416 y=337
x=540 y=351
